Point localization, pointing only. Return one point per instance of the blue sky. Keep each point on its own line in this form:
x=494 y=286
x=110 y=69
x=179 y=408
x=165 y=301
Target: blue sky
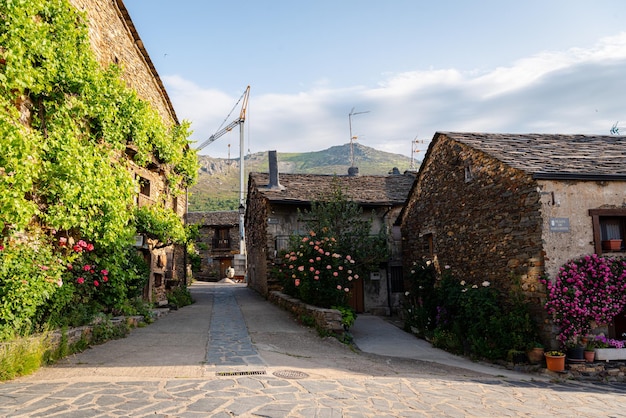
x=417 y=67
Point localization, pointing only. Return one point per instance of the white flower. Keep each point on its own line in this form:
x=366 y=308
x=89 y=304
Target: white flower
x=475 y=286
x=462 y=282
x=407 y=293
x=486 y=283
x=412 y=271
x=447 y=267
x=428 y=262
x=464 y=290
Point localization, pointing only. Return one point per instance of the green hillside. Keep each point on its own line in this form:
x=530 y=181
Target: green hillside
x=218 y=179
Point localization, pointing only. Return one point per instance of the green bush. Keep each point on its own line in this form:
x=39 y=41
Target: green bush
x=64 y=172
x=473 y=319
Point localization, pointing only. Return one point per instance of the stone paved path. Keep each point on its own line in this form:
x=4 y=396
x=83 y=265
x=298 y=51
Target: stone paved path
x=173 y=368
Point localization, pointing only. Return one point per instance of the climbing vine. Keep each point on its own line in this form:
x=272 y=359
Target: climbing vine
x=65 y=123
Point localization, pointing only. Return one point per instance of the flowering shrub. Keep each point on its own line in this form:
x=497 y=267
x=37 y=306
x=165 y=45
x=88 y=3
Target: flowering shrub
x=586 y=290
x=29 y=275
x=471 y=318
x=316 y=274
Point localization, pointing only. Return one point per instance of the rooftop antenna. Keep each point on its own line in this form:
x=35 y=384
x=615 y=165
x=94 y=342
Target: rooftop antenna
x=614 y=129
x=353 y=138
x=414 y=150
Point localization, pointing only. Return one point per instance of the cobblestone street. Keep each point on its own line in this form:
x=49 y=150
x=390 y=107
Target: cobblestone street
x=234 y=354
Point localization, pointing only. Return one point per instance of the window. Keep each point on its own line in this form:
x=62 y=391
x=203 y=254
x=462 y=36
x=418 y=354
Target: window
x=427 y=246
x=469 y=175
x=221 y=240
x=144 y=186
x=609 y=229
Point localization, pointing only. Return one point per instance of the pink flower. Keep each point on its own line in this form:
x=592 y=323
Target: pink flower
x=70 y=267
x=62 y=241
x=297 y=282
x=316 y=277
x=1 y=247
x=335 y=274
x=86 y=267
x=80 y=280
x=104 y=272
x=82 y=244
x=105 y=279
x=300 y=268
x=77 y=248
x=96 y=283
x=338 y=287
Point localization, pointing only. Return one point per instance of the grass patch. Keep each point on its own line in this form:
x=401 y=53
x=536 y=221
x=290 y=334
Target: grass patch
x=22 y=356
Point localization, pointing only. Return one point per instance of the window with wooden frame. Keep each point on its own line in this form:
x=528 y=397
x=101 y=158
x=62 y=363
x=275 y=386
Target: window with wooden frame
x=609 y=229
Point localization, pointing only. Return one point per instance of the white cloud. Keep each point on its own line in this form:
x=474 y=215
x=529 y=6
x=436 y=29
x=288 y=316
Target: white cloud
x=573 y=91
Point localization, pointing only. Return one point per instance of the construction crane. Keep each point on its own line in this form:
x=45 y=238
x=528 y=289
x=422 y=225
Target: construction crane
x=242 y=202
x=231 y=125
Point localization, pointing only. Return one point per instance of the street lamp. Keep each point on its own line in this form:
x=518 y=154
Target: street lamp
x=352 y=138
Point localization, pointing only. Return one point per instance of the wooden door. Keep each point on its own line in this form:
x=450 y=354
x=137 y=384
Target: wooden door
x=356 y=296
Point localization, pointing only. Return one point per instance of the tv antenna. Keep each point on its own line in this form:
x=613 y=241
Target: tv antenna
x=615 y=129
x=353 y=138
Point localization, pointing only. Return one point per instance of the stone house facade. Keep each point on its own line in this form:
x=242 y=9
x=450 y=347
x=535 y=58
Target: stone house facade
x=499 y=207
x=114 y=40
x=272 y=209
x=217 y=243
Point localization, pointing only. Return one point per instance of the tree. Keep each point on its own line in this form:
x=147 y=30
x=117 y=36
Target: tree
x=335 y=215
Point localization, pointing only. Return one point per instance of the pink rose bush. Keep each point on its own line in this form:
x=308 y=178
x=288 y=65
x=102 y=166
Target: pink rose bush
x=314 y=272
x=588 y=290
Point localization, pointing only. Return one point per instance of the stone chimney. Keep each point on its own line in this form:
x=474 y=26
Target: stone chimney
x=274 y=184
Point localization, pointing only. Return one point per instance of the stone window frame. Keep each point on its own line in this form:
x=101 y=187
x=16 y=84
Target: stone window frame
x=596 y=215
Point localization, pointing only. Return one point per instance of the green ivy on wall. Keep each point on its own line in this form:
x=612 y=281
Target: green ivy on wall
x=65 y=123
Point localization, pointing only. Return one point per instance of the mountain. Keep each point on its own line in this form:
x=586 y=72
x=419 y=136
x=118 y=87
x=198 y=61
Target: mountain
x=218 y=178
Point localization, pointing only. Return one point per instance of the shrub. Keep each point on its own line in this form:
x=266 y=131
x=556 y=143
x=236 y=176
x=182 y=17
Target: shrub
x=473 y=319
x=314 y=273
x=589 y=289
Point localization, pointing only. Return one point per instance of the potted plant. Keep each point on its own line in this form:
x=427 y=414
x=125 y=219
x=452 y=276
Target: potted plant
x=535 y=353
x=555 y=360
x=575 y=351
x=590 y=353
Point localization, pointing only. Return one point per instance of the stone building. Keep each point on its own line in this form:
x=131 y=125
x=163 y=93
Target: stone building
x=501 y=206
x=272 y=217
x=217 y=243
x=114 y=40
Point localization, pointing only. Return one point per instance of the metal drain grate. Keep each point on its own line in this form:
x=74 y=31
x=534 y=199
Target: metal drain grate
x=248 y=373
x=290 y=374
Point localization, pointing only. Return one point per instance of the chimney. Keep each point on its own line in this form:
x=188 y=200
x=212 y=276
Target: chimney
x=273 y=160
x=353 y=171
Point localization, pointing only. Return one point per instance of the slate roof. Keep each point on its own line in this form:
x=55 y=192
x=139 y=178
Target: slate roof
x=218 y=218
x=552 y=156
x=365 y=190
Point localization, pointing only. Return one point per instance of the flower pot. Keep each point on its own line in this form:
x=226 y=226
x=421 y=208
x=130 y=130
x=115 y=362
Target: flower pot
x=576 y=354
x=555 y=363
x=535 y=355
x=590 y=356
x=612 y=244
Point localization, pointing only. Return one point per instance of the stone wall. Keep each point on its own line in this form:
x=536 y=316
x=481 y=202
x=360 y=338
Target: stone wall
x=325 y=319
x=256 y=239
x=486 y=228
x=115 y=40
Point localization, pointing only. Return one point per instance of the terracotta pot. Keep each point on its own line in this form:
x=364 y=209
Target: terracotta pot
x=555 y=363
x=590 y=356
x=535 y=355
x=612 y=244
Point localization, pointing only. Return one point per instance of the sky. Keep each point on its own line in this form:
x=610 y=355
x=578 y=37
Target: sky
x=405 y=69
